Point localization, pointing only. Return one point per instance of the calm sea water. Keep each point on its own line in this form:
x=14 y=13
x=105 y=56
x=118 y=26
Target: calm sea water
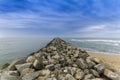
x=12 y=48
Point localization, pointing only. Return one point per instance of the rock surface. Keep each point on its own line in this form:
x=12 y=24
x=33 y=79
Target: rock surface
x=58 y=60
x=111 y=74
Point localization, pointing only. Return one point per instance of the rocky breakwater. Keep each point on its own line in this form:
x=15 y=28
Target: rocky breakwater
x=58 y=61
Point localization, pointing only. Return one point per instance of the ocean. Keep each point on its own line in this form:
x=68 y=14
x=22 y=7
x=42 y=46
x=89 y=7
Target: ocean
x=13 y=48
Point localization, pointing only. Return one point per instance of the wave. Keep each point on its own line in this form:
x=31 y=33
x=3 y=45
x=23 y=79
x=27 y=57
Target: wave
x=99 y=45
x=103 y=41
x=96 y=40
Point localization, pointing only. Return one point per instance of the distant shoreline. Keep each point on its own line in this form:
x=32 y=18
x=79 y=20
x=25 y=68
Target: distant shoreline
x=99 y=52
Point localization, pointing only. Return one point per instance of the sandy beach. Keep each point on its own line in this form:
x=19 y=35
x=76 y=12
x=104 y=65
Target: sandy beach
x=112 y=60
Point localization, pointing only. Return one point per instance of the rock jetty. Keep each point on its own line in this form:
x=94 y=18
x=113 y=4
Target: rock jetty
x=58 y=60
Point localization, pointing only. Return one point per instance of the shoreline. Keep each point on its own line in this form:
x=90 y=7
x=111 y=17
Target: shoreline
x=60 y=60
x=100 y=52
x=111 y=59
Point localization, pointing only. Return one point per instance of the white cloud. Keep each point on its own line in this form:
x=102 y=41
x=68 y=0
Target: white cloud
x=92 y=28
x=99 y=27
x=102 y=30
x=90 y=21
x=36 y=20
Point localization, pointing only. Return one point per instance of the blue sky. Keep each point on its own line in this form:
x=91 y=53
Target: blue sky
x=64 y=18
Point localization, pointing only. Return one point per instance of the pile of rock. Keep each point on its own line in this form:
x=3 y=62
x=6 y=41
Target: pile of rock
x=58 y=61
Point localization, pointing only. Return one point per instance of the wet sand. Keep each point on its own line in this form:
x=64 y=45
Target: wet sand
x=112 y=60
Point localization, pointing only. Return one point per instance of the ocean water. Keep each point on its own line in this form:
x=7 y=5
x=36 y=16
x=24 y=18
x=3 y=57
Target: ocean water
x=101 y=45
x=13 y=48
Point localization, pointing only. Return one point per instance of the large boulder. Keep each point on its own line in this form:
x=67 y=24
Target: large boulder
x=94 y=72
x=81 y=63
x=79 y=74
x=38 y=64
x=69 y=77
x=89 y=76
x=10 y=75
x=111 y=75
x=31 y=76
x=41 y=78
x=30 y=59
x=15 y=62
x=21 y=67
x=100 y=67
x=97 y=79
x=26 y=71
x=90 y=63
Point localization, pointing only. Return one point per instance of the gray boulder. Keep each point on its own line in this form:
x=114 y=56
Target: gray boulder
x=26 y=71
x=96 y=60
x=69 y=77
x=20 y=67
x=95 y=73
x=9 y=75
x=81 y=63
x=79 y=74
x=38 y=64
x=31 y=76
x=98 y=79
x=13 y=73
x=88 y=76
x=15 y=62
x=71 y=70
x=30 y=59
x=90 y=63
x=53 y=78
x=100 y=67
x=111 y=75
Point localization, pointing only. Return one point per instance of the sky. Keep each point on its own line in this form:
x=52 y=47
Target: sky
x=60 y=18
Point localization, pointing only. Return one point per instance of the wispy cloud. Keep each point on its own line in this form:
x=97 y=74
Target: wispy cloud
x=59 y=17
x=93 y=28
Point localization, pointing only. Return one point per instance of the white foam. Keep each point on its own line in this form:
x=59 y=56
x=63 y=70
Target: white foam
x=96 y=40
x=103 y=41
x=116 y=44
